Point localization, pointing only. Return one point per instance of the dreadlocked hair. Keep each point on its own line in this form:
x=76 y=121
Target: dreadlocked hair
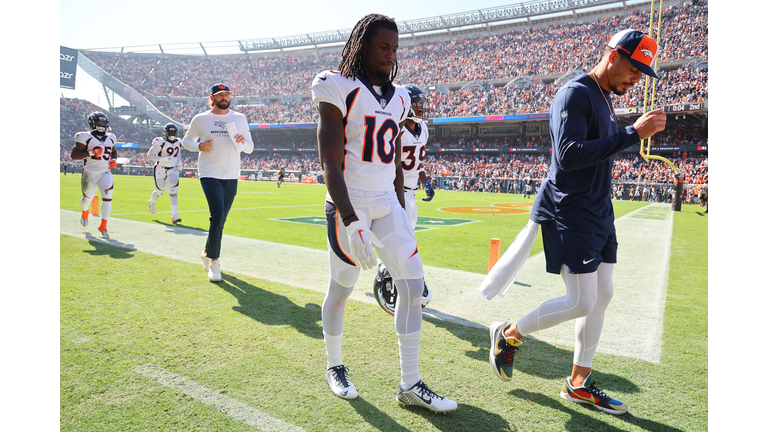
x=352 y=56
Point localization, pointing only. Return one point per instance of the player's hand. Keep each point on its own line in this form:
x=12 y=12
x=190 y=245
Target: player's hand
x=96 y=151
x=206 y=145
x=360 y=244
x=650 y=123
x=429 y=190
x=112 y=164
x=240 y=139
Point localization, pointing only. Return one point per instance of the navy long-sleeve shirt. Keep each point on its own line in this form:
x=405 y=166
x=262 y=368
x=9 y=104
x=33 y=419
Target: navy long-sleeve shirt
x=577 y=191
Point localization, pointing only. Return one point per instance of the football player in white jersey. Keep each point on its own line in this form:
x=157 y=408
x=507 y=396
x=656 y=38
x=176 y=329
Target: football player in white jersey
x=97 y=149
x=165 y=152
x=413 y=141
x=361 y=115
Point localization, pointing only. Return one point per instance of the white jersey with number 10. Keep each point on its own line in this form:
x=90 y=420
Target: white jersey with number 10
x=371 y=126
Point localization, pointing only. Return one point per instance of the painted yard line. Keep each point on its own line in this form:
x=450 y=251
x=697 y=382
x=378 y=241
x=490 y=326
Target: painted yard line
x=233 y=209
x=633 y=323
x=231 y=407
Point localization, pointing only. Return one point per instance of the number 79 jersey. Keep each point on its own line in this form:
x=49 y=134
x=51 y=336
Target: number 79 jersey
x=101 y=149
x=371 y=126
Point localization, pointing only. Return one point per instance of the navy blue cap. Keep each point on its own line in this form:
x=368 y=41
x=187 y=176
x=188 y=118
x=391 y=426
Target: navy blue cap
x=218 y=88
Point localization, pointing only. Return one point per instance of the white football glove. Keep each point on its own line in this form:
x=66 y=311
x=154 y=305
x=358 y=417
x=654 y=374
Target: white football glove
x=360 y=239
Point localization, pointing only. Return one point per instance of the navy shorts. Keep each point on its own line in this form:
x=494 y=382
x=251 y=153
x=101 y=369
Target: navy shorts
x=582 y=252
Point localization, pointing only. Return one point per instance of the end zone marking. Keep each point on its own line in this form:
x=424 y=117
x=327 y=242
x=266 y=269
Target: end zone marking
x=231 y=407
x=499 y=209
x=423 y=223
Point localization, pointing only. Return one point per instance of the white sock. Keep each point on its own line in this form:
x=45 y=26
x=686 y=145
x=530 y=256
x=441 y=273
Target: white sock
x=409 y=358
x=333 y=349
x=85 y=203
x=106 y=209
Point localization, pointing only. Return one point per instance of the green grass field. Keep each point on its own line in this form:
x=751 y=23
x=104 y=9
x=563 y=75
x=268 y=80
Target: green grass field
x=256 y=346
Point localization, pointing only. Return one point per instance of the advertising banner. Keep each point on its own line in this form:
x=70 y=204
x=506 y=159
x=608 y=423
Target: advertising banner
x=68 y=67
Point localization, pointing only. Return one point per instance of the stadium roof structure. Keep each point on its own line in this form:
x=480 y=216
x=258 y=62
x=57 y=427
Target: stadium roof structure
x=526 y=13
x=481 y=19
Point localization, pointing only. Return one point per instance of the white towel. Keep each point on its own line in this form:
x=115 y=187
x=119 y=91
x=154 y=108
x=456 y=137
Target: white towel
x=504 y=272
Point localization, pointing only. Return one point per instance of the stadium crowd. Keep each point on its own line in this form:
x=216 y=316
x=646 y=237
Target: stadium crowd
x=534 y=52
x=73 y=115
x=472 y=172
x=278 y=90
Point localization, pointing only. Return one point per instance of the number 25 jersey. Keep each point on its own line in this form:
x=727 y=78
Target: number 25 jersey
x=94 y=163
x=371 y=126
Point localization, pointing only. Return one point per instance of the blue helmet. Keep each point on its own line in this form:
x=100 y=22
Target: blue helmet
x=419 y=110
x=170 y=130
x=98 y=122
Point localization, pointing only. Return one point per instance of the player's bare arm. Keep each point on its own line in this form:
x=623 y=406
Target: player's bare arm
x=330 y=142
x=79 y=151
x=422 y=177
x=399 y=179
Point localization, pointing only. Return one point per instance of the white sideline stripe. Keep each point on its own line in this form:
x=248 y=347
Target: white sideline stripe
x=233 y=209
x=633 y=323
x=231 y=407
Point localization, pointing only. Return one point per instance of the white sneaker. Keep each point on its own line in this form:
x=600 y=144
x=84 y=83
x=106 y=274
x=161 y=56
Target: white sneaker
x=175 y=220
x=339 y=382
x=214 y=272
x=105 y=233
x=206 y=261
x=421 y=395
x=84 y=222
x=151 y=206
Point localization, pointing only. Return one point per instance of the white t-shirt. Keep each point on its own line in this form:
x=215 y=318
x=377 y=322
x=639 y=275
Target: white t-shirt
x=223 y=161
x=371 y=126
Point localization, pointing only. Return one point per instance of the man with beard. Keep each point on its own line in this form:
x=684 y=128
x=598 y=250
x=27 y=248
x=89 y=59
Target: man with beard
x=574 y=209
x=219 y=135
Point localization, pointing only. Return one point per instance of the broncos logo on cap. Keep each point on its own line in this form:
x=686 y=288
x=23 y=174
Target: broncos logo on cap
x=222 y=86
x=647 y=52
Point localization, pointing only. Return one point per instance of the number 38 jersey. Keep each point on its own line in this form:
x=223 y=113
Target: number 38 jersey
x=414 y=149
x=371 y=126
x=101 y=149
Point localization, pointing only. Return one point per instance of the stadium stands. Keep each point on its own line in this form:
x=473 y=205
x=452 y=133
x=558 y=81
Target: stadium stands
x=539 y=52
x=277 y=91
